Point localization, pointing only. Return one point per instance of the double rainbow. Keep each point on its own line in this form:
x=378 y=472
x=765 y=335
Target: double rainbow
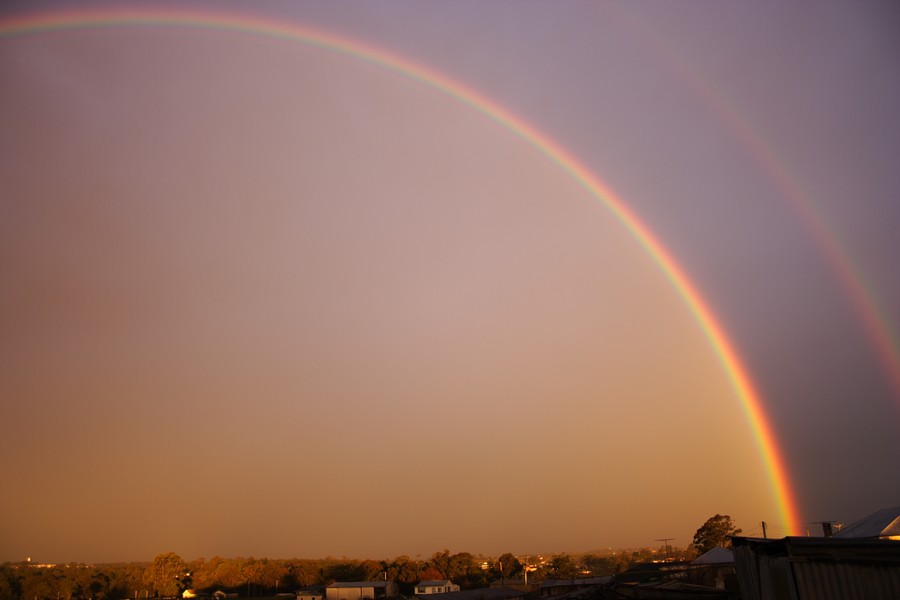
x=57 y=20
x=863 y=300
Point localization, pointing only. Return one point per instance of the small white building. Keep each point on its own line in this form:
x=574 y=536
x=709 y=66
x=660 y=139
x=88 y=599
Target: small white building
x=436 y=587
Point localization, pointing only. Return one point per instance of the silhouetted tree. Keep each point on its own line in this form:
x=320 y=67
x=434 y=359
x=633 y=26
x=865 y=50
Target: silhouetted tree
x=717 y=531
x=508 y=565
x=343 y=571
x=562 y=567
x=465 y=570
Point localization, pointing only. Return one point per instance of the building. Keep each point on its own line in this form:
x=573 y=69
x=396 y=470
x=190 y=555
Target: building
x=432 y=586
x=491 y=593
x=513 y=583
x=551 y=588
x=714 y=568
x=675 y=580
x=361 y=590
x=882 y=525
x=821 y=568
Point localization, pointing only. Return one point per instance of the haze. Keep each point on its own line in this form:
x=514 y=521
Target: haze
x=260 y=298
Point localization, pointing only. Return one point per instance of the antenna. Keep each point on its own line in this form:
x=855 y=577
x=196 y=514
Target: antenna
x=666 y=540
x=828 y=527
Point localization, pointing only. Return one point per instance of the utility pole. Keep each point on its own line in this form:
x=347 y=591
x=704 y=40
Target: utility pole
x=666 y=540
x=764 y=530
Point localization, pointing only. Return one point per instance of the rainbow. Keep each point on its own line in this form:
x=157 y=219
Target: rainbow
x=873 y=317
x=863 y=300
x=751 y=403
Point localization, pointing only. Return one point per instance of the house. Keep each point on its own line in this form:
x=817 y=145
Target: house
x=884 y=525
x=311 y=593
x=361 y=590
x=432 y=586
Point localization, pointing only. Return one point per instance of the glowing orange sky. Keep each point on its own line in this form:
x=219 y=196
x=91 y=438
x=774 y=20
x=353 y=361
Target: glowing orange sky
x=260 y=299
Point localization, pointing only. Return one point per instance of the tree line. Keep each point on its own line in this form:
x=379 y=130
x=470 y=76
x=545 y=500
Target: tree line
x=168 y=574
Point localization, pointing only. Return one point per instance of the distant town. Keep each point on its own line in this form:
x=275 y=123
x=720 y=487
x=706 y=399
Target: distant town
x=860 y=560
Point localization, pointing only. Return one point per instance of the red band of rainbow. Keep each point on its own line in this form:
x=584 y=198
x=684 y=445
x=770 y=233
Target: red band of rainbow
x=750 y=400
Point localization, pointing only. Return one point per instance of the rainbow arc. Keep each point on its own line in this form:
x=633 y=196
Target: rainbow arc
x=750 y=400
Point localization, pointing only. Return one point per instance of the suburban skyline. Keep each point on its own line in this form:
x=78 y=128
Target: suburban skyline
x=265 y=293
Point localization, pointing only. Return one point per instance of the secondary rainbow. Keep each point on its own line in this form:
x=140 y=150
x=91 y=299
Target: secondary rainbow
x=58 y=20
x=863 y=300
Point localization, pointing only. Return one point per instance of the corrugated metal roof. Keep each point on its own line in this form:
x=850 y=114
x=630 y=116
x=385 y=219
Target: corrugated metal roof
x=817 y=568
x=883 y=523
x=716 y=556
x=575 y=582
x=359 y=584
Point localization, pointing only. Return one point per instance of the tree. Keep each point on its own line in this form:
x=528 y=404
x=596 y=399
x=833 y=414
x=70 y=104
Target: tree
x=165 y=573
x=228 y=574
x=465 y=570
x=430 y=573
x=563 y=567
x=305 y=572
x=717 y=531
x=407 y=571
x=10 y=583
x=35 y=584
x=508 y=565
x=441 y=562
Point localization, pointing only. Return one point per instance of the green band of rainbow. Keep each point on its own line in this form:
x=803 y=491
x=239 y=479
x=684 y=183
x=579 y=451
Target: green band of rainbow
x=148 y=16
x=874 y=318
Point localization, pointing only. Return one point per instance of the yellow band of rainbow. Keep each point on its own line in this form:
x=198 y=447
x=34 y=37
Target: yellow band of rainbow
x=41 y=22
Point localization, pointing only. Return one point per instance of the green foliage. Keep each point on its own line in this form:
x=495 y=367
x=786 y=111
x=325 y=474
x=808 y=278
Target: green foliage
x=562 y=567
x=165 y=573
x=304 y=572
x=465 y=570
x=10 y=583
x=265 y=577
x=405 y=571
x=508 y=566
x=717 y=531
x=343 y=571
x=601 y=566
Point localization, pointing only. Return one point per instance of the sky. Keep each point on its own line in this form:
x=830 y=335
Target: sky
x=261 y=297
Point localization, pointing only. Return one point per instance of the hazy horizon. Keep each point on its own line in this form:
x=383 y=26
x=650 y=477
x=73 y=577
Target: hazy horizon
x=420 y=557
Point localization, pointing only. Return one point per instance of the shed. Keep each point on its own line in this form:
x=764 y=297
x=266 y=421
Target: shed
x=820 y=568
x=361 y=590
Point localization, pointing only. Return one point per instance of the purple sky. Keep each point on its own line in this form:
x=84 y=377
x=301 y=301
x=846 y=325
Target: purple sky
x=258 y=298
